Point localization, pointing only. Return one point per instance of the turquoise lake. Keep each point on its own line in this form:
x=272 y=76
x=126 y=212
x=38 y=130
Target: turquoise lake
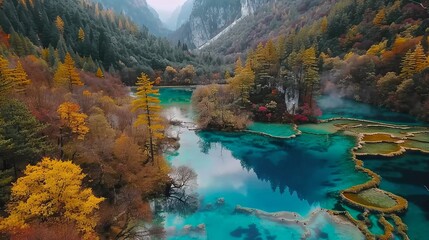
x=297 y=175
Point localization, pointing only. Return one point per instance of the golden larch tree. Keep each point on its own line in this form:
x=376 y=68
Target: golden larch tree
x=52 y=191
x=72 y=118
x=99 y=73
x=311 y=70
x=408 y=67
x=59 y=23
x=324 y=25
x=81 y=34
x=21 y=80
x=238 y=66
x=420 y=59
x=379 y=18
x=242 y=83
x=6 y=76
x=67 y=74
x=148 y=105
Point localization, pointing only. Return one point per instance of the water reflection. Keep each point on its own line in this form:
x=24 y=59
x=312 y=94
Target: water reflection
x=311 y=166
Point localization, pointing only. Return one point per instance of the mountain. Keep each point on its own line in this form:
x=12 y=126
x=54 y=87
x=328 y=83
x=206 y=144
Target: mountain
x=210 y=19
x=140 y=12
x=184 y=13
x=179 y=16
x=92 y=35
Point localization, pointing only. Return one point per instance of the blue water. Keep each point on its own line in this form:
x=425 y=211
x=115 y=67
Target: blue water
x=406 y=176
x=297 y=175
x=333 y=107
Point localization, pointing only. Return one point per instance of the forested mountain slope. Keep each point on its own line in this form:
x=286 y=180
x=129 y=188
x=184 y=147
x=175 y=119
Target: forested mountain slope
x=140 y=12
x=371 y=51
x=93 y=36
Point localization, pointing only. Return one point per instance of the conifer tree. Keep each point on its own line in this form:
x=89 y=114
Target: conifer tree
x=243 y=83
x=81 y=34
x=67 y=74
x=379 y=18
x=99 y=73
x=59 y=23
x=227 y=75
x=324 y=25
x=21 y=80
x=408 y=65
x=238 y=66
x=148 y=106
x=311 y=70
x=420 y=59
x=6 y=76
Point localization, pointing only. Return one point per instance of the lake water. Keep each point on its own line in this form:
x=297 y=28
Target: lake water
x=297 y=175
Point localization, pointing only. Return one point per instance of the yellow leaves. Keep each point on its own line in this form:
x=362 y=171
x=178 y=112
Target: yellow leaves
x=71 y=118
x=86 y=93
x=99 y=73
x=238 y=66
x=81 y=34
x=6 y=76
x=148 y=104
x=243 y=81
x=420 y=58
x=20 y=78
x=377 y=49
x=66 y=74
x=324 y=25
x=59 y=23
x=379 y=18
x=348 y=56
x=52 y=190
x=414 y=62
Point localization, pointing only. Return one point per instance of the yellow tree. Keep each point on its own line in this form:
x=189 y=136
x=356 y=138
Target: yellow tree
x=311 y=70
x=52 y=191
x=67 y=74
x=99 y=73
x=377 y=49
x=81 y=34
x=324 y=25
x=21 y=80
x=408 y=65
x=6 y=76
x=420 y=59
x=148 y=105
x=72 y=118
x=243 y=82
x=379 y=18
x=73 y=122
x=59 y=23
x=227 y=75
x=238 y=66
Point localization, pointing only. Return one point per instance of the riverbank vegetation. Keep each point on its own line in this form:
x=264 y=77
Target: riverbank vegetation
x=75 y=160
x=370 y=51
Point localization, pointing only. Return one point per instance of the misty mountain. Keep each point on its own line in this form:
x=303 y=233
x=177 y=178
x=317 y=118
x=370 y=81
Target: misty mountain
x=180 y=16
x=140 y=12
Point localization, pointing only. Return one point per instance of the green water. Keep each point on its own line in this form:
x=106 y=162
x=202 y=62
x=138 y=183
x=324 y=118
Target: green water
x=298 y=175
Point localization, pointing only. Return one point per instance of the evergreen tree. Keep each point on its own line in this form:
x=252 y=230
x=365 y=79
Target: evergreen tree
x=21 y=80
x=26 y=143
x=148 y=106
x=6 y=76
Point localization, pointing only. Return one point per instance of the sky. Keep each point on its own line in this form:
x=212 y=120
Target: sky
x=165 y=6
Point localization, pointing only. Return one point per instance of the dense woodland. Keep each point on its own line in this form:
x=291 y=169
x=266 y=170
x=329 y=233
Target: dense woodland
x=96 y=37
x=82 y=156
x=92 y=156
x=371 y=51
